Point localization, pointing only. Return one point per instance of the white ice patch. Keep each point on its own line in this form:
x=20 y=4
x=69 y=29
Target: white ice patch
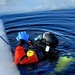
x=7 y=66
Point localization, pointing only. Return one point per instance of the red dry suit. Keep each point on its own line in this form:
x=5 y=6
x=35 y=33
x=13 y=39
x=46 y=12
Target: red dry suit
x=22 y=57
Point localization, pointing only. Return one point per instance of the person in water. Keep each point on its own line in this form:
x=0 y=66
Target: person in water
x=41 y=48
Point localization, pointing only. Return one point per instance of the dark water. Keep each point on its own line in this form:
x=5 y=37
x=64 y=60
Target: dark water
x=61 y=22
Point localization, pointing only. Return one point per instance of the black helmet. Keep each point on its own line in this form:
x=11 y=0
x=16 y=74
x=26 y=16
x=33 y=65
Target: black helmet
x=48 y=38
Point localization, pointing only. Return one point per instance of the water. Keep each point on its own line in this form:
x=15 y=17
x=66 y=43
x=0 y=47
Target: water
x=61 y=23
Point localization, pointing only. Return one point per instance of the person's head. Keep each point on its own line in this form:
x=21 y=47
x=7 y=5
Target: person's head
x=48 y=38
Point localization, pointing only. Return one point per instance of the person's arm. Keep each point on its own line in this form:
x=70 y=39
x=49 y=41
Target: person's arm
x=19 y=50
x=18 y=54
x=21 y=42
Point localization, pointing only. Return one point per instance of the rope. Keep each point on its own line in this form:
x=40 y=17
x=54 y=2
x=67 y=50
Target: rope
x=4 y=40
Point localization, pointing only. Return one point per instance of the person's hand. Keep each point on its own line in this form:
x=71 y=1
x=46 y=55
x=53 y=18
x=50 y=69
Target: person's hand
x=22 y=35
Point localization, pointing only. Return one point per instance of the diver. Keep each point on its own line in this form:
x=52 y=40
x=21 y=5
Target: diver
x=41 y=48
